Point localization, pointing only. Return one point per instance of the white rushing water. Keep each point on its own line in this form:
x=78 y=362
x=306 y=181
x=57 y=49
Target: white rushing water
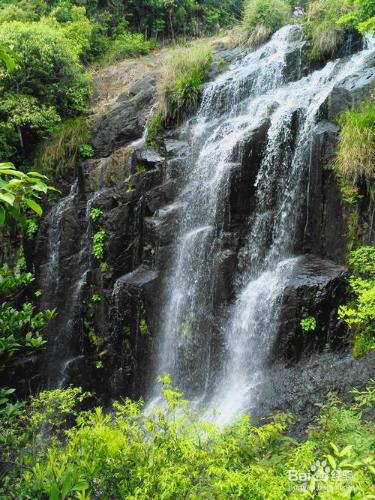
x=253 y=90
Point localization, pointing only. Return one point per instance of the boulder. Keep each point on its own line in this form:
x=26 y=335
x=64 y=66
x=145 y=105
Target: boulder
x=316 y=288
x=126 y=119
x=351 y=92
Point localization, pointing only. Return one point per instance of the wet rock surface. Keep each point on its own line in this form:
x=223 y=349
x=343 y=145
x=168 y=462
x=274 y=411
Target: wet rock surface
x=316 y=288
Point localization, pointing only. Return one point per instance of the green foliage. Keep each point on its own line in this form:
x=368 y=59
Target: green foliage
x=20 y=326
x=20 y=192
x=60 y=152
x=262 y=18
x=48 y=82
x=86 y=151
x=95 y=297
x=355 y=159
x=129 y=45
x=322 y=29
x=172 y=452
x=155 y=127
x=182 y=79
x=143 y=328
x=98 y=240
x=308 y=324
x=360 y=16
x=359 y=313
x=95 y=214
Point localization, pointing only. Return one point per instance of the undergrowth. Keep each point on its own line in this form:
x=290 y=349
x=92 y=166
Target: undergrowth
x=181 y=81
x=322 y=28
x=359 y=312
x=60 y=152
x=172 y=452
x=355 y=159
x=264 y=17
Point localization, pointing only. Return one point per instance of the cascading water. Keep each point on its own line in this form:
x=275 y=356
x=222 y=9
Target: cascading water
x=253 y=90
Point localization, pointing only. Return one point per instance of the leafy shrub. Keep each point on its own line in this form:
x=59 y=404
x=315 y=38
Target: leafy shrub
x=308 y=324
x=19 y=192
x=95 y=213
x=322 y=28
x=172 y=452
x=98 y=240
x=47 y=83
x=355 y=159
x=130 y=45
x=264 y=17
x=183 y=76
x=86 y=151
x=360 y=16
x=61 y=151
x=359 y=313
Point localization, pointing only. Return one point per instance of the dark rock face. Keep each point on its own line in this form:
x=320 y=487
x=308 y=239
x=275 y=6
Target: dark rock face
x=323 y=208
x=351 y=92
x=126 y=121
x=316 y=288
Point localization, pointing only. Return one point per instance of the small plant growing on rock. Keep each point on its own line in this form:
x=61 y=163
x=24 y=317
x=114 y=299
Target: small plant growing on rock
x=95 y=214
x=86 y=151
x=99 y=364
x=129 y=187
x=140 y=169
x=143 y=328
x=96 y=298
x=308 y=324
x=98 y=244
x=104 y=266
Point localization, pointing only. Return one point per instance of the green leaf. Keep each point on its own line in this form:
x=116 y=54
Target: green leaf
x=81 y=485
x=2 y=215
x=7 y=198
x=37 y=174
x=34 y=206
x=16 y=214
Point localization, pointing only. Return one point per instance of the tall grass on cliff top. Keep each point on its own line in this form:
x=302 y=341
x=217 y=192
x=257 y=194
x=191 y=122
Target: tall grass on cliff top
x=355 y=159
x=181 y=81
x=264 y=17
x=322 y=28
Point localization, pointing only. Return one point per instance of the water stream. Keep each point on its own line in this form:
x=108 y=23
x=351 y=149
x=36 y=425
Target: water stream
x=254 y=90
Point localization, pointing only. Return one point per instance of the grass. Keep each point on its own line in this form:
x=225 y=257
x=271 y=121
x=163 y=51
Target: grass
x=264 y=17
x=181 y=81
x=60 y=152
x=355 y=158
x=322 y=29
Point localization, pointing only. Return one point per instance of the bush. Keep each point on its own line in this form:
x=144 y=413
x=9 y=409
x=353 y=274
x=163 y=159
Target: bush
x=129 y=45
x=361 y=16
x=355 y=159
x=322 y=28
x=182 y=79
x=264 y=17
x=47 y=77
x=60 y=152
x=359 y=313
x=172 y=452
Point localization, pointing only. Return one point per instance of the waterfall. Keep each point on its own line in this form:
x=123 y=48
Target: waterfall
x=254 y=89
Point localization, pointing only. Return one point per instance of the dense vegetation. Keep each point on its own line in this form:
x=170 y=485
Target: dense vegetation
x=173 y=453
x=51 y=44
